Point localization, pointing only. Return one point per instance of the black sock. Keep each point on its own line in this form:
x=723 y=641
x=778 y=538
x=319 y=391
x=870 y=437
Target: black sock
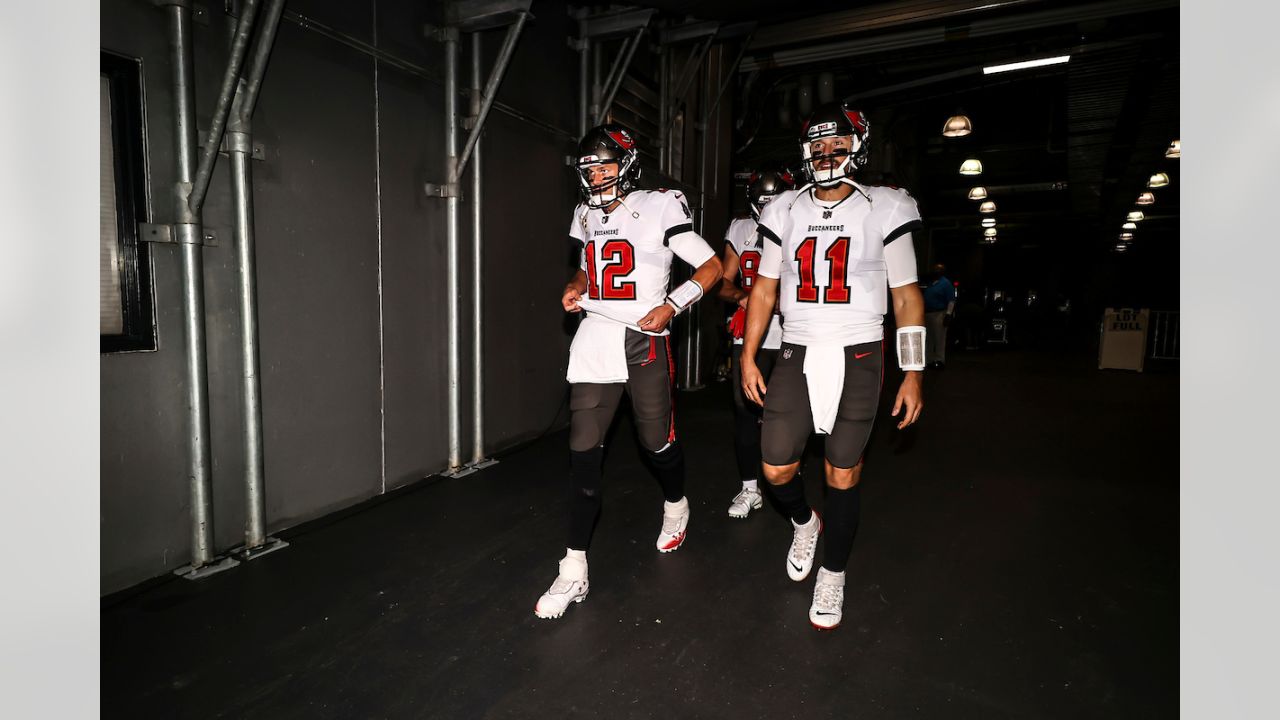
x=668 y=464
x=790 y=495
x=585 y=471
x=842 y=510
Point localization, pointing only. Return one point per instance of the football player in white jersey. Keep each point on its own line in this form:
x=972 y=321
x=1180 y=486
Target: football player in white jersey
x=627 y=238
x=830 y=249
x=740 y=260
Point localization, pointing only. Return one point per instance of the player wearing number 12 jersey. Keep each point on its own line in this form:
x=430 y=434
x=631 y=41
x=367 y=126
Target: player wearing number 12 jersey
x=830 y=249
x=742 y=252
x=627 y=239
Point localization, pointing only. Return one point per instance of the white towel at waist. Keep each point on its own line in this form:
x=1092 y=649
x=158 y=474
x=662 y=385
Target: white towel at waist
x=598 y=353
x=824 y=374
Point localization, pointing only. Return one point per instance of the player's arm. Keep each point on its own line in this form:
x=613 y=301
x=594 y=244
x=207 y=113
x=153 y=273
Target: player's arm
x=573 y=291
x=764 y=295
x=729 y=290
x=680 y=299
x=908 y=315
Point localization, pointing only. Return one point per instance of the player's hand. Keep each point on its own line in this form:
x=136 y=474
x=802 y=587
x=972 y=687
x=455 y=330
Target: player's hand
x=570 y=299
x=657 y=318
x=910 y=397
x=742 y=301
x=752 y=382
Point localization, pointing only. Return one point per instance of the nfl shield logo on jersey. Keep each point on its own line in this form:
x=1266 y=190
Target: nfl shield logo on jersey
x=826 y=214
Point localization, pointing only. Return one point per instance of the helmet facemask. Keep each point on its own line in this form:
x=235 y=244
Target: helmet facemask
x=842 y=172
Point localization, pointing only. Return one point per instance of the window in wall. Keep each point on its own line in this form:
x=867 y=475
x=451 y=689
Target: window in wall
x=126 y=317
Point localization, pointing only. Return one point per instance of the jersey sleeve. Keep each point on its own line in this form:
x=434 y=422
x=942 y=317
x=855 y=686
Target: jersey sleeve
x=900 y=217
x=900 y=257
x=773 y=226
x=677 y=230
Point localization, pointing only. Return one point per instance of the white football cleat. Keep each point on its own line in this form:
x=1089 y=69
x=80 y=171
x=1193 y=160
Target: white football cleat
x=804 y=543
x=570 y=586
x=744 y=502
x=828 y=600
x=675 y=518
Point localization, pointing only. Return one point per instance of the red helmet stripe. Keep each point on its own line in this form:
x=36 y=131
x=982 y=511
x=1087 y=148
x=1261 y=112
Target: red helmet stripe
x=622 y=138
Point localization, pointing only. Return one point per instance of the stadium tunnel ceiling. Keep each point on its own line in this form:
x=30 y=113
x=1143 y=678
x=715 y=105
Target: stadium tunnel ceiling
x=1073 y=143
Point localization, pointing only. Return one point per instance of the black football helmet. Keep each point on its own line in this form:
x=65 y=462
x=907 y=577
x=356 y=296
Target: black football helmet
x=835 y=119
x=763 y=186
x=610 y=143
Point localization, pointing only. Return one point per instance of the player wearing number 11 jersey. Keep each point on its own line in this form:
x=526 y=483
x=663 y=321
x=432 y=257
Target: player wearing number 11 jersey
x=627 y=239
x=830 y=249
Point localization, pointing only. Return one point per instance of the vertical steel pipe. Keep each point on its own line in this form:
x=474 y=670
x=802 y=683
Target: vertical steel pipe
x=584 y=80
x=477 y=306
x=240 y=150
x=191 y=235
x=451 y=240
x=664 y=134
x=251 y=405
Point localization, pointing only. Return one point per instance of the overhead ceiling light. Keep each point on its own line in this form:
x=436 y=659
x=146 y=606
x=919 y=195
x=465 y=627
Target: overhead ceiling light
x=1175 y=149
x=987 y=207
x=957 y=126
x=1122 y=247
x=1025 y=64
x=1135 y=216
x=988 y=222
x=1129 y=226
x=1158 y=180
x=1146 y=198
x=978 y=193
x=1126 y=236
x=989 y=232
x=971 y=167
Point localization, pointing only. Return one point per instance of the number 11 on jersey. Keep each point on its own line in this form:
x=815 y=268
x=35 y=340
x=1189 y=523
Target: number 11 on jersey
x=836 y=288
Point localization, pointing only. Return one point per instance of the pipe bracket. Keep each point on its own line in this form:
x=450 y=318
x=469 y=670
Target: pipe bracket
x=177 y=234
x=441 y=190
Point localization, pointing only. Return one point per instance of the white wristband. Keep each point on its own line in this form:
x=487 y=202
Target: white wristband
x=911 y=347
x=682 y=297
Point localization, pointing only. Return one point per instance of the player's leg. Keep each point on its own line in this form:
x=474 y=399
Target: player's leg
x=788 y=422
x=591 y=407
x=746 y=435
x=651 y=374
x=859 y=400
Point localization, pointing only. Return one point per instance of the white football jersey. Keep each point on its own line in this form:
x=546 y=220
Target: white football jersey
x=745 y=241
x=835 y=259
x=626 y=253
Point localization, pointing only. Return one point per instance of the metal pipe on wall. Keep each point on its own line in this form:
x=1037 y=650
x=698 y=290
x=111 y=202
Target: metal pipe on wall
x=230 y=79
x=490 y=92
x=477 y=307
x=451 y=240
x=240 y=150
x=584 y=73
x=663 y=62
x=190 y=235
x=630 y=51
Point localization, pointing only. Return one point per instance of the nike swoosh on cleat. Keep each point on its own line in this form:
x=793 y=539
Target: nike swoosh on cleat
x=797 y=567
x=859 y=356
x=823 y=613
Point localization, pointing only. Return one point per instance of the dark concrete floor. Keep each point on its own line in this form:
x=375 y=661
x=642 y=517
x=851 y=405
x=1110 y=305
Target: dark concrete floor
x=1018 y=558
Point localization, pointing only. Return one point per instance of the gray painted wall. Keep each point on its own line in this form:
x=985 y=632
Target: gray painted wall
x=351 y=276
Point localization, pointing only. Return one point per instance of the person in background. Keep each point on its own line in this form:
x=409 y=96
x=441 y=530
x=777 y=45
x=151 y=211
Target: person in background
x=939 y=307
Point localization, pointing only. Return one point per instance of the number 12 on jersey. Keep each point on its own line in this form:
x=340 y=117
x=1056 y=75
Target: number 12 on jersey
x=836 y=287
x=617 y=260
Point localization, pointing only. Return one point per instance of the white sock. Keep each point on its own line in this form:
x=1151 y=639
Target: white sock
x=576 y=554
x=750 y=485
